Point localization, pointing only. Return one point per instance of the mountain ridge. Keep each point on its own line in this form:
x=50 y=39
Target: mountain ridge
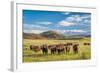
x=51 y=35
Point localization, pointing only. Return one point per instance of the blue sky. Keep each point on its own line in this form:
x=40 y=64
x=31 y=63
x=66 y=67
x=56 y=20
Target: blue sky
x=73 y=23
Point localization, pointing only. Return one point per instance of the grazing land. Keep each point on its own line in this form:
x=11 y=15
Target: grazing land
x=84 y=51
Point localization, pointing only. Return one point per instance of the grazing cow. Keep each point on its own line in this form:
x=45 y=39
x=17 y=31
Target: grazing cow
x=67 y=49
x=52 y=49
x=69 y=44
x=75 y=48
x=86 y=43
x=35 y=48
x=44 y=49
x=60 y=48
x=56 y=49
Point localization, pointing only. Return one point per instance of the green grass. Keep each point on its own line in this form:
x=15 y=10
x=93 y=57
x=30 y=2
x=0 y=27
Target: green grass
x=31 y=56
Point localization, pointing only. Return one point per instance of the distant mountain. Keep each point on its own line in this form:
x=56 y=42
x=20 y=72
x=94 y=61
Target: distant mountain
x=87 y=35
x=32 y=36
x=52 y=35
x=75 y=37
x=78 y=36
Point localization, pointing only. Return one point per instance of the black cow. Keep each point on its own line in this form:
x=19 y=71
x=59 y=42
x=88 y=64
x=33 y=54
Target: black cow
x=44 y=49
x=86 y=43
x=75 y=48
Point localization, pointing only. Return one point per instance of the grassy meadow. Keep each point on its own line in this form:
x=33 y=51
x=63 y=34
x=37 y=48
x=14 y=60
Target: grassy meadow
x=31 y=56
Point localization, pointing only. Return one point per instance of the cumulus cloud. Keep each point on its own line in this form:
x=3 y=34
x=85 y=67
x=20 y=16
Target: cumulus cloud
x=31 y=26
x=66 y=13
x=71 y=31
x=44 y=22
x=75 y=20
x=86 y=21
x=78 y=18
x=66 y=23
x=79 y=31
x=34 y=31
x=86 y=16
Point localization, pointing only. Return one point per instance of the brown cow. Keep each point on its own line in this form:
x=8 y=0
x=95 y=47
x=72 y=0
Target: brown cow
x=56 y=49
x=52 y=49
x=35 y=48
x=69 y=44
x=44 y=48
x=60 y=48
x=67 y=49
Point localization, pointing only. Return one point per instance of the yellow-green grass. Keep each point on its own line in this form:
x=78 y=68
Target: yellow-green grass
x=31 y=56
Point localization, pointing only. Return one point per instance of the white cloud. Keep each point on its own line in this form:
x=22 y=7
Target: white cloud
x=86 y=16
x=71 y=31
x=34 y=31
x=66 y=13
x=66 y=23
x=31 y=26
x=70 y=21
x=79 y=31
x=78 y=18
x=44 y=22
x=74 y=18
x=38 y=27
x=86 y=21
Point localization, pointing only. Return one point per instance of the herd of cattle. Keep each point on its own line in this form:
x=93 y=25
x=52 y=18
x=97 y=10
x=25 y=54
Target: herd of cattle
x=57 y=49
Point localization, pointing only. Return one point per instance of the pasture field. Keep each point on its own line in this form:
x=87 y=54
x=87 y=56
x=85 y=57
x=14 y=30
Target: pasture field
x=31 y=56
